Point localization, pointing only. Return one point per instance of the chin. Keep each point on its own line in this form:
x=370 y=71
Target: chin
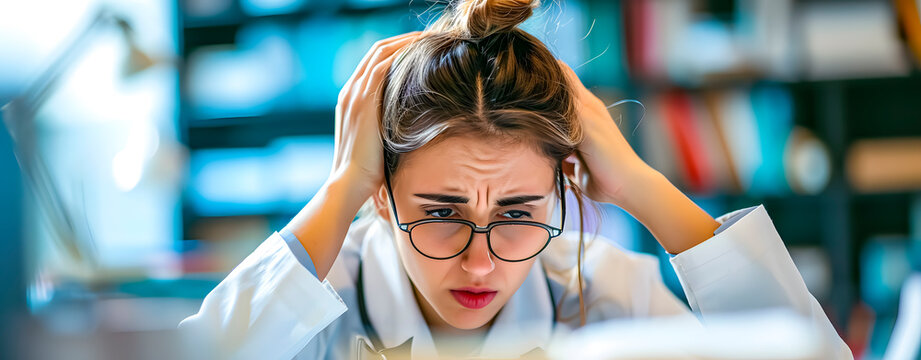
x=467 y=319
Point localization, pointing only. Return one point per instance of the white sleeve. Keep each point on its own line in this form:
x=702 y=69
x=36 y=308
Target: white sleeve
x=268 y=307
x=746 y=267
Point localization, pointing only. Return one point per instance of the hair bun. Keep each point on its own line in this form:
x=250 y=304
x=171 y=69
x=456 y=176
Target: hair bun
x=478 y=19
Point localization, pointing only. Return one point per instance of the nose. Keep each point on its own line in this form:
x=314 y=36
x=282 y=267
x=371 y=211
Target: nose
x=477 y=259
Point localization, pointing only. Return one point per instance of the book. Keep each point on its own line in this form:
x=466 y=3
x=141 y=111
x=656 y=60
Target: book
x=681 y=125
x=651 y=29
x=714 y=146
x=773 y=109
x=880 y=165
x=657 y=148
x=712 y=101
x=850 y=40
x=909 y=13
x=737 y=119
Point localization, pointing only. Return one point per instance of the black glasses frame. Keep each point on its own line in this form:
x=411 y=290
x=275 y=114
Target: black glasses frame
x=552 y=231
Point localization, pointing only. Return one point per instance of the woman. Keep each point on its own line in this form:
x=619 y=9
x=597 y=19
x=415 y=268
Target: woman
x=463 y=139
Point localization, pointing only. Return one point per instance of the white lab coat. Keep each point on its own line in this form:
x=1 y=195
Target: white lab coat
x=272 y=307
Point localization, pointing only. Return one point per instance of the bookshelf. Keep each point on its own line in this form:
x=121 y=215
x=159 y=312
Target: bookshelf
x=840 y=111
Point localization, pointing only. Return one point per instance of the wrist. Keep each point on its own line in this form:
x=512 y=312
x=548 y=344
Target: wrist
x=321 y=225
x=674 y=220
x=351 y=188
x=352 y=183
x=636 y=184
x=338 y=201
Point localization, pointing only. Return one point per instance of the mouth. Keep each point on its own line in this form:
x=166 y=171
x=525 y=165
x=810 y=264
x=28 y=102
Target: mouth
x=474 y=298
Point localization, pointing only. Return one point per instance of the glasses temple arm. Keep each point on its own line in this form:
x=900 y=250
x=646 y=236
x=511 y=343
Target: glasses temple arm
x=393 y=205
x=562 y=198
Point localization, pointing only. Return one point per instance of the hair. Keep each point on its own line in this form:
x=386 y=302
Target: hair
x=473 y=72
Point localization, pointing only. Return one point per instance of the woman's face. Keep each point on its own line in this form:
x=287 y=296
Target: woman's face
x=468 y=178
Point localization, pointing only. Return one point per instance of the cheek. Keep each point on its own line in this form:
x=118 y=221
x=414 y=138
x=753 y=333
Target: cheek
x=515 y=273
x=421 y=270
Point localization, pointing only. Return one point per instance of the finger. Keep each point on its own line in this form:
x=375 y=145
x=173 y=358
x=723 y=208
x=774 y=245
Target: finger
x=573 y=80
x=380 y=62
x=352 y=105
x=363 y=65
x=371 y=94
x=366 y=60
x=344 y=102
x=567 y=70
x=378 y=74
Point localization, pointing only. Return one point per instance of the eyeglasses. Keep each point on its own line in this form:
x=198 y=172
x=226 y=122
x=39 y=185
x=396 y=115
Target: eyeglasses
x=510 y=241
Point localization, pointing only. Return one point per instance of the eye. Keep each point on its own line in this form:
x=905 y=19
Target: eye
x=516 y=214
x=440 y=213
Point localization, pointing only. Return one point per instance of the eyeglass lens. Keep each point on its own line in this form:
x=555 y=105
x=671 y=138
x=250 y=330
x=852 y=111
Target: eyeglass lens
x=508 y=241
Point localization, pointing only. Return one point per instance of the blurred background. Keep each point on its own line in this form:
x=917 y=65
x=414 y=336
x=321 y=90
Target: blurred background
x=150 y=145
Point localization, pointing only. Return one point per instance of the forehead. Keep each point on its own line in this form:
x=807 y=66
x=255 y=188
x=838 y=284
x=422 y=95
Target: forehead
x=459 y=163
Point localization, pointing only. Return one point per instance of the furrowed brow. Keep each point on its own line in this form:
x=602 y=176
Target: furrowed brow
x=516 y=200
x=443 y=198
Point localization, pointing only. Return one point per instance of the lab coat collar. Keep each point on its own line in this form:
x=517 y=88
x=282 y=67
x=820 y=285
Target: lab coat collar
x=392 y=308
x=523 y=324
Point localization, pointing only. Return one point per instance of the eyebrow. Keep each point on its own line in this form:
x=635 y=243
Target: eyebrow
x=454 y=199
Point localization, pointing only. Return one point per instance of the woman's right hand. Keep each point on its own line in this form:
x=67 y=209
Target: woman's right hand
x=358 y=152
x=358 y=160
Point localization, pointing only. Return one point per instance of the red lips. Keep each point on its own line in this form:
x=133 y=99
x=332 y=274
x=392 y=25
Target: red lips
x=473 y=298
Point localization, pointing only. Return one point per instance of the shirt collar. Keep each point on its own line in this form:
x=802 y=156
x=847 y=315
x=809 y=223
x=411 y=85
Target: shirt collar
x=523 y=324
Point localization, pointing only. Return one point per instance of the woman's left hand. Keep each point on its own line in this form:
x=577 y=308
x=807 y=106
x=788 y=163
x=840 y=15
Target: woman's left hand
x=608 y=169
x=605 y=162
